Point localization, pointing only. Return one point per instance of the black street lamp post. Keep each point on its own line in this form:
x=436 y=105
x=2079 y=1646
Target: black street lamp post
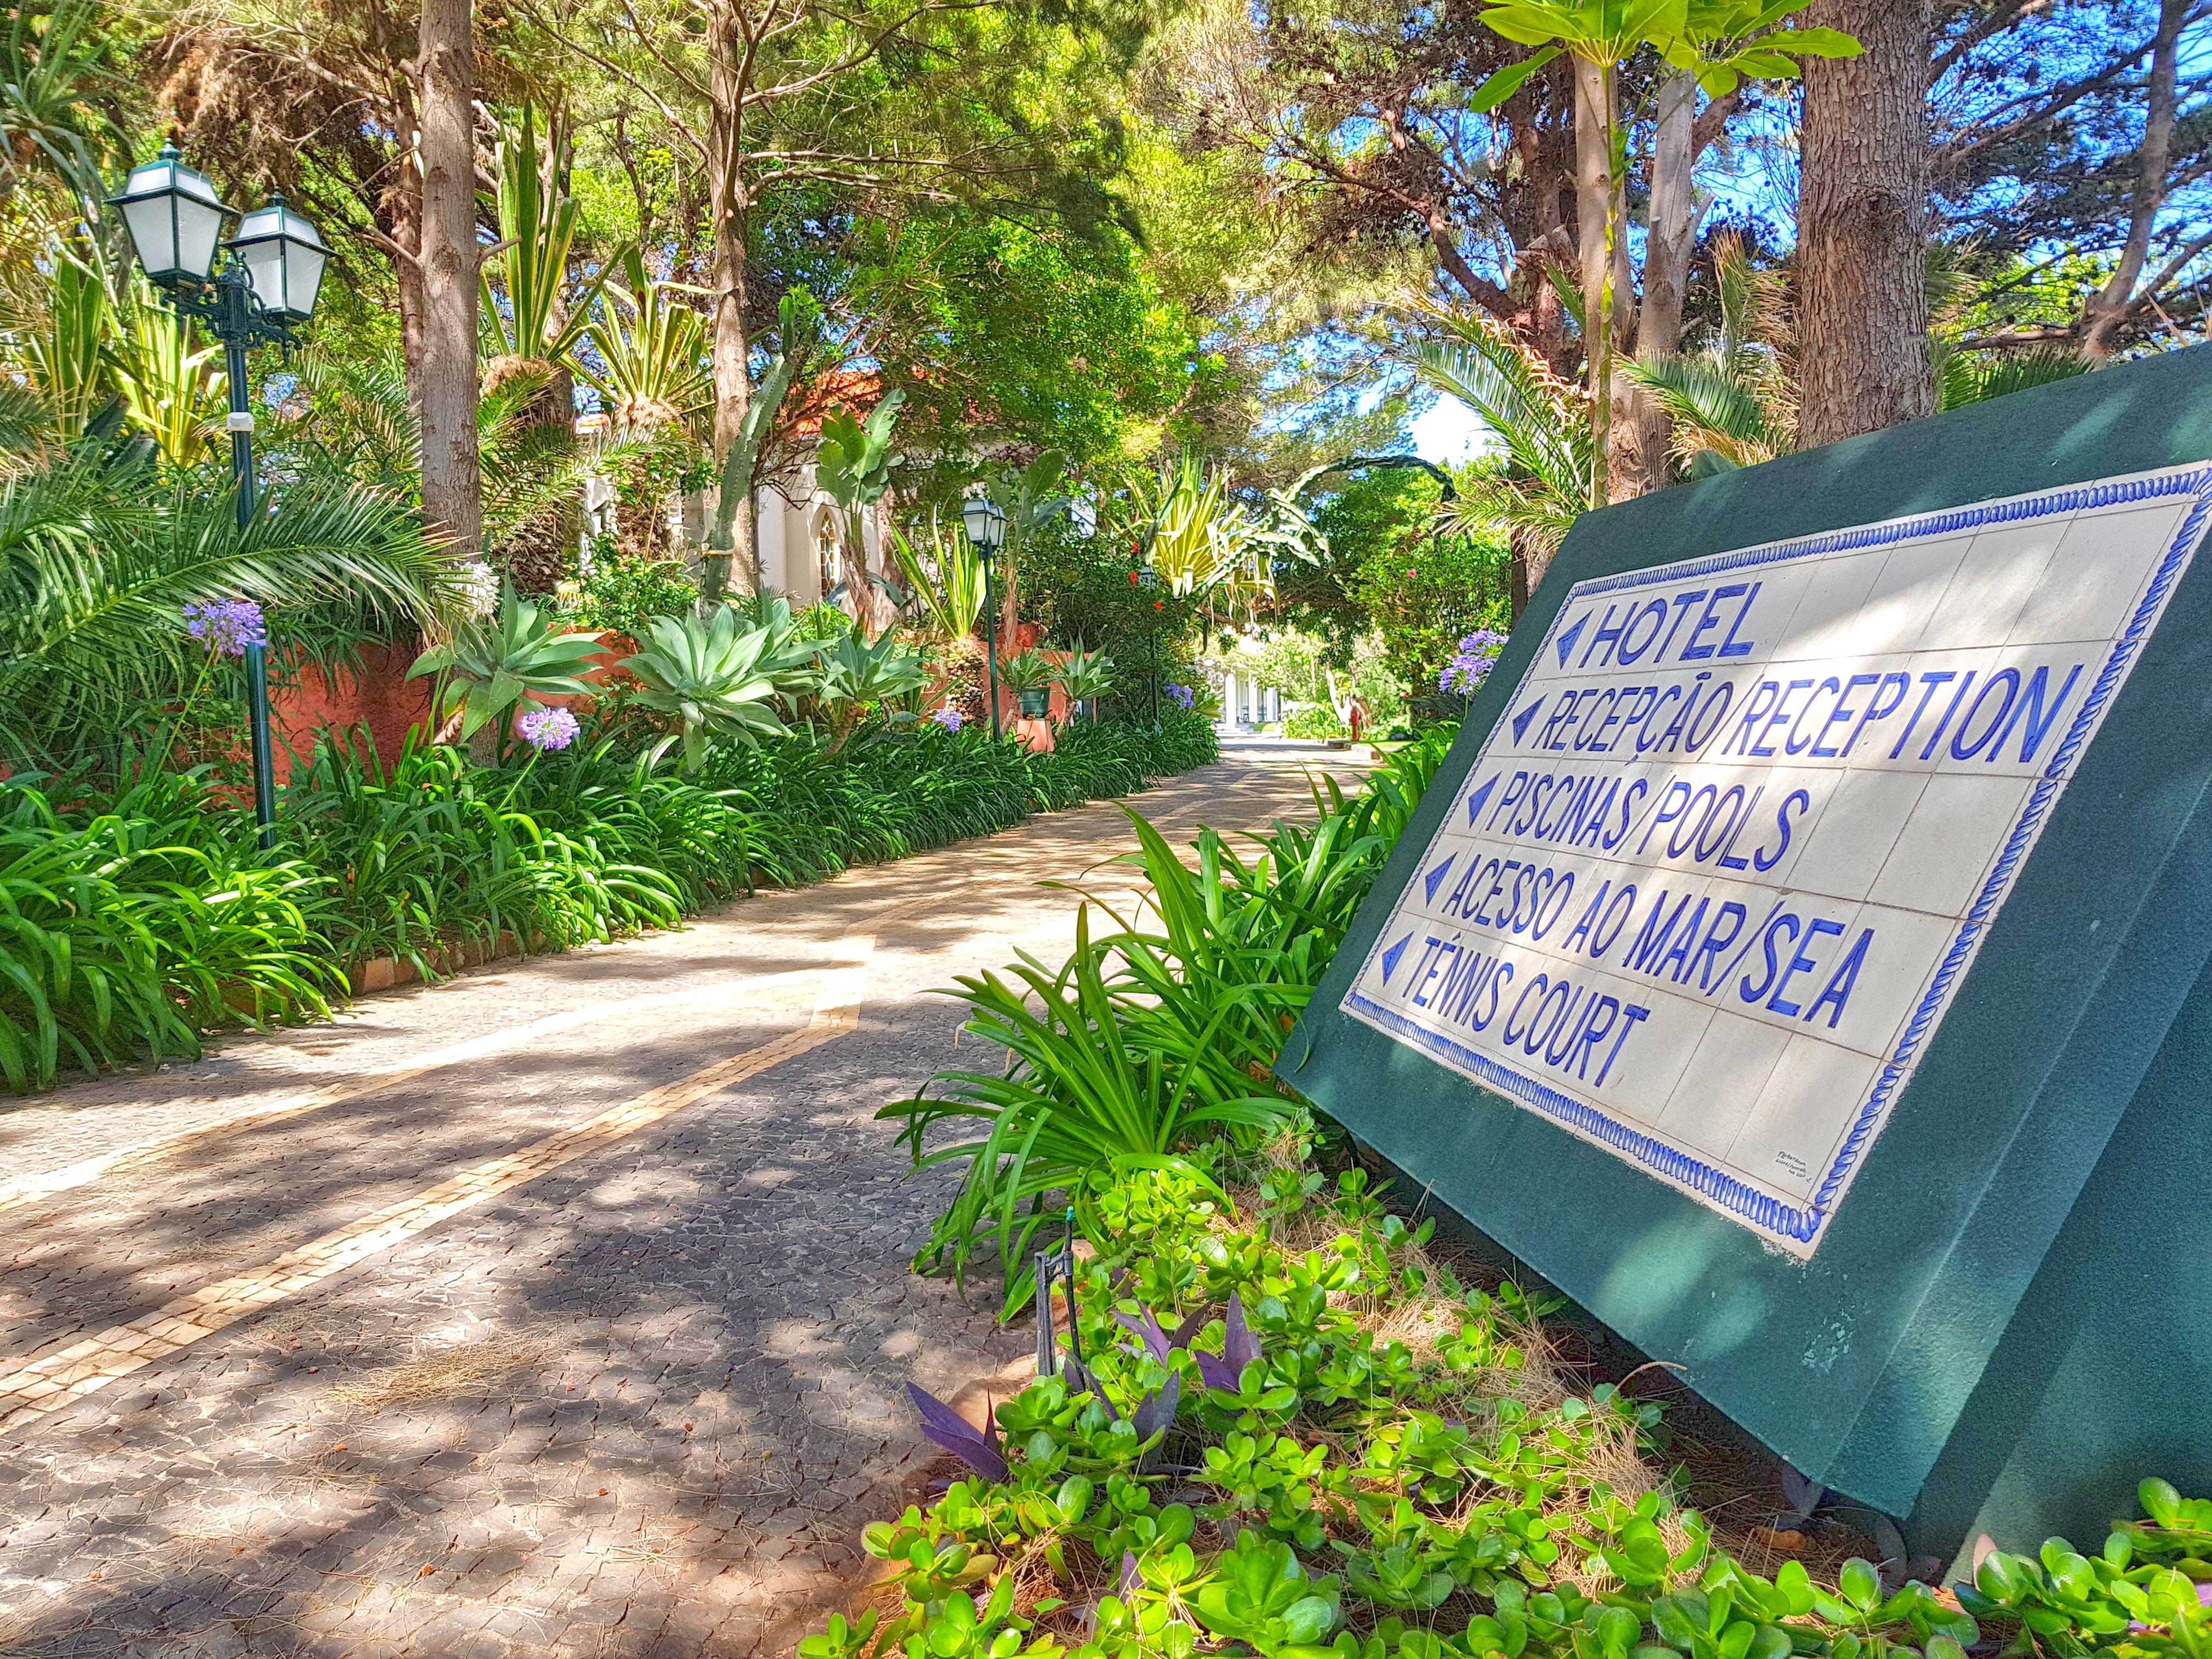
x=985 y=521
x=260 y=293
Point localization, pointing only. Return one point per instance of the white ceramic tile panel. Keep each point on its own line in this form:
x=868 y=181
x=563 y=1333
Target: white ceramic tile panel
x=1891 y=695
x=1724 y=1080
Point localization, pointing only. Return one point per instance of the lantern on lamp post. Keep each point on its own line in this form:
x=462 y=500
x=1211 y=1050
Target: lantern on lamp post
x=258 y=296
x=985 y=521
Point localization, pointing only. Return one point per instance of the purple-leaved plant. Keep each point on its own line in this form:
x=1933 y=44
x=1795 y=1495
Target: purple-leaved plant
x=977 y=1448
x=1239 y=1348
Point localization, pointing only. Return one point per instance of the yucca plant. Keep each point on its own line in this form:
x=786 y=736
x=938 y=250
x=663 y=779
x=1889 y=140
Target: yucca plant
x=719 y=678
x=945 y=575
x=538 y=234
x=488 y=666
x=67 y=360
x=651 y=370
x=168 y=384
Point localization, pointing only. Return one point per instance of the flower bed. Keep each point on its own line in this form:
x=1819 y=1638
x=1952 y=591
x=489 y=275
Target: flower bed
x=138 y=924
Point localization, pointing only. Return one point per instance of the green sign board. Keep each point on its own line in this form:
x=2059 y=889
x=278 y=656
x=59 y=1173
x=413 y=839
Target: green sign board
x=1796 y=960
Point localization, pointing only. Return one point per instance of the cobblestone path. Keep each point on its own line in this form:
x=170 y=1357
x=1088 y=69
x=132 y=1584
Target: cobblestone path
x=562 y=1310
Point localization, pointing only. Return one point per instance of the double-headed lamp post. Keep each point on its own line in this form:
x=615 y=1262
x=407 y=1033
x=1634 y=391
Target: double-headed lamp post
x=259 y=293
x=985 y=521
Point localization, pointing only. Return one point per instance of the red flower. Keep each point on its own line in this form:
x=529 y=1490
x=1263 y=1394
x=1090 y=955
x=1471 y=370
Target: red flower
x=1133 y=579
x=1410 y=571
x=1158 y=604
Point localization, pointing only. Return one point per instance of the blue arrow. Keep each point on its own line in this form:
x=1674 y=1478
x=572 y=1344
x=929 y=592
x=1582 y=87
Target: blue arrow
x=1567 y=640
x=1390 y=957
x=1437 y=876
x=1480 y=798
x=1521 y=721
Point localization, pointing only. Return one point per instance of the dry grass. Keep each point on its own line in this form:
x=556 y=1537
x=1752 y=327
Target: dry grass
x=451 y=1373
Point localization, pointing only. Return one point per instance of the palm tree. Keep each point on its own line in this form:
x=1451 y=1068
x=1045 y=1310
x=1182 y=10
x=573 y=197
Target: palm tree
x=1544 y=483
x=1735 y=403
x=100 y=552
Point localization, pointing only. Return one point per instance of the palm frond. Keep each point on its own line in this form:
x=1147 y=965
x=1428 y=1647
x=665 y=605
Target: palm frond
x=1713 y=410
x=97 y=563
x=1536 y=416
x=1963 y=378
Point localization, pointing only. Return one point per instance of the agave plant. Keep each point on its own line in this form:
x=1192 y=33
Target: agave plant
x=1085 y=676
x=719 y=677
x=519 y=651
x=854 y=674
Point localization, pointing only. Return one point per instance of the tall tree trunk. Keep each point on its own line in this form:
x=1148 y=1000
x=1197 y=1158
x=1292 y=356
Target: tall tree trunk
x=733 y=371
x=400 y=217
x=1638 y=463
x=1593 y=197
x=2109 y=306
x=453 y=480
x=1862 y=225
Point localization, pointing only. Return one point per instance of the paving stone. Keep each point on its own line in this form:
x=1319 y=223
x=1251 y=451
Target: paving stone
x=309 y=1376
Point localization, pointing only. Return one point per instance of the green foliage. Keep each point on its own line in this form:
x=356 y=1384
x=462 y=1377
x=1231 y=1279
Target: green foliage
x=718 y=677
x=130 y=925
x=493 y=664
x=124 y=931
x=99 y=557
x=1085 y=676
x=537 y=235
x=945 y=576
x=1545 y=484
x=650 y=369
x=623 y=593
x=1425 y=597
x=1155 y=1029
x=1029 y=672
x=853 y=675
x=1318 y=721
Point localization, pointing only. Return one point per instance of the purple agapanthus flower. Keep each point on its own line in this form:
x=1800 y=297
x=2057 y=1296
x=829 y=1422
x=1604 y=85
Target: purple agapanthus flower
x=548 y=728
x=226 y=625
x=1181 y=696
x=948 y=717
x=1471 y=665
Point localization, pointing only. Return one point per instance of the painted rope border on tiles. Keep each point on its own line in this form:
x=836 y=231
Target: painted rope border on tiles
x=1802 y=1225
